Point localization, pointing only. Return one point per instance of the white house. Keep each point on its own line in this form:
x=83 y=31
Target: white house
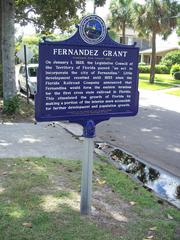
x=145 y=55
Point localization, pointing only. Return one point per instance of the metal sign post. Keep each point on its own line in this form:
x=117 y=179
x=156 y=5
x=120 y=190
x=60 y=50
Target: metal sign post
x=25 y=54
x=87 y=166
x=26 y=73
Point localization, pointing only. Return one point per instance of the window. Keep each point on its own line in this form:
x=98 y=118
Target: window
x=32 y=71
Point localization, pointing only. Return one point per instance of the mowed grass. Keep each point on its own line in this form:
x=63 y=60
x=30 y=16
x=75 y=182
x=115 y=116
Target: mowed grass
x=40 y=198
x=175 y=92
x=162 y=81
x=153 y=87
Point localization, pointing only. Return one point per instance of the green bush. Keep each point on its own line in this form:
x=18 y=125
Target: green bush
x=11 y=105
x=158 y=69
x=177 y=75
x=162 y=69
x=175 y=68
x=144 y=68
x=171 y=58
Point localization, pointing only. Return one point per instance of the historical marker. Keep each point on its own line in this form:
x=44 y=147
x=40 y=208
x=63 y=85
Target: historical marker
x=88 y=76
x=86 y=79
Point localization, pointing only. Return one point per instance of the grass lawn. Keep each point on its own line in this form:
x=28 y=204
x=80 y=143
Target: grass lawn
x=156 y=86
x=40 y=197
x=162 y=81
x=175 y=92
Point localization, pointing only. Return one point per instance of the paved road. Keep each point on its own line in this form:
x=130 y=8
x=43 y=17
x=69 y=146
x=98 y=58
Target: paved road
x=153 y=135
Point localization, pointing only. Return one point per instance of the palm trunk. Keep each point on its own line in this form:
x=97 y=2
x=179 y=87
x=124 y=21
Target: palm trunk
x=94 y=11
x=123 y=33
x=153 y=58
x=8 y=49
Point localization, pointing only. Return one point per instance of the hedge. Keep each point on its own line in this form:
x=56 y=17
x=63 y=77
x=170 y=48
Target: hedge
x=162 y=69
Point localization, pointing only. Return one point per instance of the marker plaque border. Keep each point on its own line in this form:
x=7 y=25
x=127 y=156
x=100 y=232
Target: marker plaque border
x=77 y=42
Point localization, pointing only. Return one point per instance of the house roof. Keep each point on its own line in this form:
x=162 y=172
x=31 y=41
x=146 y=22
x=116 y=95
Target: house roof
x=160 y=50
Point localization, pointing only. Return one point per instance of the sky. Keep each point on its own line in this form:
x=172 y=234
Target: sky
x=103 y=12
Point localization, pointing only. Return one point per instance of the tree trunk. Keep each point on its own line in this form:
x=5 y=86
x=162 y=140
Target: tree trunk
x=123 y=33
x=153 y=58
x=1 y=81
x=94 y=7
x=8 y=49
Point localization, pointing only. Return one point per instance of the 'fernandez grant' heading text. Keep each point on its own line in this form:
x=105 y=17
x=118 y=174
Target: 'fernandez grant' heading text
x=88 y=52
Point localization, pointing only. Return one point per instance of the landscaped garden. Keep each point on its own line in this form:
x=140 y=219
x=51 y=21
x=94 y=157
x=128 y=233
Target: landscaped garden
x=167 y=74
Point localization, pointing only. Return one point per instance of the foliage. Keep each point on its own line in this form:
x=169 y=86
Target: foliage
x=32 y=41
x=48 y=14
x=155 y=16
x=144 y=68
x=112 y=34
x=162 y=69
x=175 y=68
x=177 y=75
x=11 y=105
x=152 y=18
x=100 y=3
x=120 y=15
x=171 y=58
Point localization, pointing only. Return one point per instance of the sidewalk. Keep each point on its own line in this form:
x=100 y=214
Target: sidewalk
x=42 y=139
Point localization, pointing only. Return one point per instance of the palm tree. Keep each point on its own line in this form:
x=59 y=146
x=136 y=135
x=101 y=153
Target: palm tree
x=120 y=15
x=98 y=3
x=152 y=18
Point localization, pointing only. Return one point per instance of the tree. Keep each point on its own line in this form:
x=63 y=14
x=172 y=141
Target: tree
x=152 y=18
x=1 y=82
x=48 y=14
x=120 y=15
x=98 y=3
x=44 y=14
x=8 y=49
x=178 y=27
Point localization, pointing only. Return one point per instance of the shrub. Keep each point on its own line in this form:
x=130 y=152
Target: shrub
x=158 y=69
x=175 y=68
x=162 y=69
x=171 y=58
x=177 y=75
x=11 y=105
x=144 y=68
